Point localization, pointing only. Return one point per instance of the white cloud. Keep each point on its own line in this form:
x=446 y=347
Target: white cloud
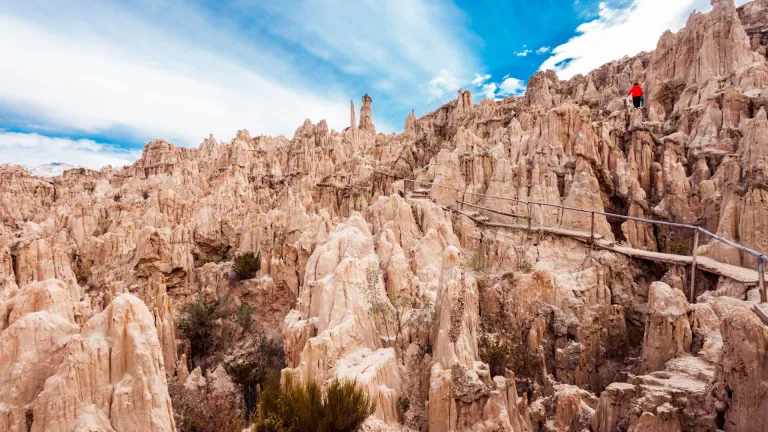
x=511 y=87
x=445 y=82
x=33 y=149
x=489 y=90
x=411 y=42
x=78 y=82
x=619 y=32
x=496 y=90
x=168 y=70
x=523 y=53
x=543 y=50
x=480 y=79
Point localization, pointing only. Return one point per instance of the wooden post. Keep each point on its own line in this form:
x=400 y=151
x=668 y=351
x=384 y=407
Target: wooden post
x=693 y=265
x=592 y=231
x=541 y=218
x=529 y=215
x=761 y=279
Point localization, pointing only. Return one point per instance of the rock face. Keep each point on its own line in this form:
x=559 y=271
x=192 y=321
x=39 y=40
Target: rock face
x=667 y=330
x=341 y=325
x=108 y=374
x=366 y=115
x=742 y=375
x=407 y=291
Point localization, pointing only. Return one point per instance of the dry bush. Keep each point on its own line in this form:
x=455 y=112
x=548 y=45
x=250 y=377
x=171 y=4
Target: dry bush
x=297 y=407
x=247 y=265
x=198 y=411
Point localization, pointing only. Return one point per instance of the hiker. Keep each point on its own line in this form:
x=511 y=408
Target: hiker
x=637 y=95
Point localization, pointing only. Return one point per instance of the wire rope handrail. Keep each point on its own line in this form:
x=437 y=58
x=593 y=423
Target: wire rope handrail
x=761 y=258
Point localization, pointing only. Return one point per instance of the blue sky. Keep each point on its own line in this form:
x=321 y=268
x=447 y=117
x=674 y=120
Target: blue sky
x=89 y=82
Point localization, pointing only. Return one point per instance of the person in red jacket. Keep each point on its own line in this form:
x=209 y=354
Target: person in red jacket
x=637 y=95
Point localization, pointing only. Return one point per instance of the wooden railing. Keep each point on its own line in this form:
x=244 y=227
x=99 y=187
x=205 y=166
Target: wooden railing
x=411 y=183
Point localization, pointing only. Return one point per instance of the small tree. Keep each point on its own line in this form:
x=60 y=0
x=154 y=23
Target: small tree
x=244 y=316
x=247 y=264
x=254 y=371
x=412 y=312
x=377 y=306
x=196 y=324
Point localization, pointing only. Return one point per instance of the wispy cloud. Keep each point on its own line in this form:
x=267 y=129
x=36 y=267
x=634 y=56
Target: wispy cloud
x=444 y=83
x=508 y=86
x=543 y=50
x=523 y=53
x=622 y=30
x=489 y=90
x=511 y=87
x=480 y=79
x=79 y=81
x=34 y=149
x=176 y=70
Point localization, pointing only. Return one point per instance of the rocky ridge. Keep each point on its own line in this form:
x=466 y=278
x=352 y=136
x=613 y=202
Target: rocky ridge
x=481 y=329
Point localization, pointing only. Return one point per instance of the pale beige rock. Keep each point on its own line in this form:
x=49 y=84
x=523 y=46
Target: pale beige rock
x=342 y=283
x=366 y=116
x=195 y=380
x=667 y=329
x=115 y=364
x=323 y=209
x=741 y=377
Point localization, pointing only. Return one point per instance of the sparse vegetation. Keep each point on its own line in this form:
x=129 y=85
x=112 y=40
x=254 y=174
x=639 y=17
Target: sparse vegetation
x=217 y=259
x=403 y=405
x=525 y=266
x=506 y=351
x=252 y=373
x=411 y=312
x=404 y=311
x=196 y=324
x=616 y=344
x=426 y=348
x=145 y=195
x=247 y=265
x=298 y=407
x=243 y=315
x=478 y=261
x=198 y=411
x=678 y=248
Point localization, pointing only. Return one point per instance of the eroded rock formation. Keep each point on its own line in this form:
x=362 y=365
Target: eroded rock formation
x=400 y=286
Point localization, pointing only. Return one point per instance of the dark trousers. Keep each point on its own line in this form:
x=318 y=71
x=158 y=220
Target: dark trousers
x=636 y=101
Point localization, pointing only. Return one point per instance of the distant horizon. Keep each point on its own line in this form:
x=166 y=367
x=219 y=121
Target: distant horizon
x=185 y=70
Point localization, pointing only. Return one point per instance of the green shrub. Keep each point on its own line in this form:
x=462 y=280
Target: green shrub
x=298 y=407
x=678 y=248
x=525 y=266
x=507 y=352
x=495 y=353
x=403 y=404
x=247 y=264
x=243 y=315
x=196 y=324
x=268 y=358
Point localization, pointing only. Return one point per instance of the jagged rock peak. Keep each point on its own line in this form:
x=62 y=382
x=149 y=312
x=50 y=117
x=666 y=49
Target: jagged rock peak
x=366 y=115
x=243 y=135
x=411 y=125
x=464 y=100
